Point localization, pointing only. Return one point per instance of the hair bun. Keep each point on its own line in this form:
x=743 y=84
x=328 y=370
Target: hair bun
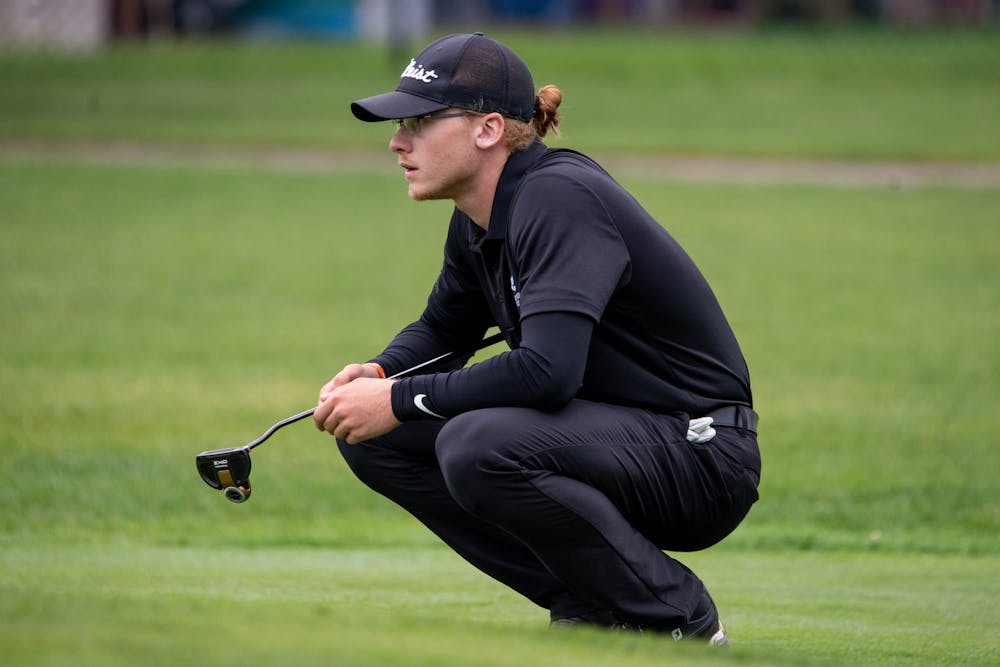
x=546 y=116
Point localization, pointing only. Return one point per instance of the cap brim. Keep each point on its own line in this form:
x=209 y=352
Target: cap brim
x=397 y=104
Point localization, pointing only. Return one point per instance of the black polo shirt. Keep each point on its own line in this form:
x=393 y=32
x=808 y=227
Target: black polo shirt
x=565 y=238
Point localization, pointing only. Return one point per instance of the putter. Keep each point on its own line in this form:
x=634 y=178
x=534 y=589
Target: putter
x=229 y=469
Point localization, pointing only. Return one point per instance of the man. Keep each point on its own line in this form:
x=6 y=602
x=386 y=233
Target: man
x=618 y=425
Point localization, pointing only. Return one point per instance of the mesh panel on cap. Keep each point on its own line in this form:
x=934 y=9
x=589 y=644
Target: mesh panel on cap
x=489 y=78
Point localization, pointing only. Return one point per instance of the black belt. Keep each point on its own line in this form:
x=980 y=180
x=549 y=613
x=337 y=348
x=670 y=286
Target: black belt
x=735 y=416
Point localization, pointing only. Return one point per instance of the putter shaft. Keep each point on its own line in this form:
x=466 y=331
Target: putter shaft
x=284 y=422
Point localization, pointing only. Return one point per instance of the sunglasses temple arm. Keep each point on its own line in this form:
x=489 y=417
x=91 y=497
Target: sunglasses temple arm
x=486 y=342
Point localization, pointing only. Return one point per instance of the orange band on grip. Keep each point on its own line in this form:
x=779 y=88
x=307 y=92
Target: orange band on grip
x=378 y=369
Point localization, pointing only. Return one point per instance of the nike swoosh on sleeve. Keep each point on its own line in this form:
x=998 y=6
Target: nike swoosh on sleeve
x=418 y=401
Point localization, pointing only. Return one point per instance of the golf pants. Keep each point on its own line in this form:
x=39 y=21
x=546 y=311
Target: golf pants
x=574 y=508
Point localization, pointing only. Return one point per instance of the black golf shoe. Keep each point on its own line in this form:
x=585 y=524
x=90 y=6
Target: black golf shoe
x=704 y=624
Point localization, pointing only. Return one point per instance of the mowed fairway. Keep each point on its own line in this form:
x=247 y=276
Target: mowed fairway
x=119 y=604
x=149 y=313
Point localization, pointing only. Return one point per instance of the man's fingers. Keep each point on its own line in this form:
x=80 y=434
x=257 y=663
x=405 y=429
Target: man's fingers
x=342 y=432
x=350 y=373
x=357 y=412
x=323 y=414
x=347 y=430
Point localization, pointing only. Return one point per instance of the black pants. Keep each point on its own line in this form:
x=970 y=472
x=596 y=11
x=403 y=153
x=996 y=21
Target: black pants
x=572 y=509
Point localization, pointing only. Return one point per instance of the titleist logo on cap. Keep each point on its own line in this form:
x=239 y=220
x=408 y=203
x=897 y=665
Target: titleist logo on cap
x=415 y=71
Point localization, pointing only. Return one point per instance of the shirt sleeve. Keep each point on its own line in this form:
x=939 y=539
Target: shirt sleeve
x=568 y=252
x=545 y=372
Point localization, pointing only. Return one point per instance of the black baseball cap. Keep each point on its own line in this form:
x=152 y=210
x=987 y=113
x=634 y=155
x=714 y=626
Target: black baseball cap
x=467 y=71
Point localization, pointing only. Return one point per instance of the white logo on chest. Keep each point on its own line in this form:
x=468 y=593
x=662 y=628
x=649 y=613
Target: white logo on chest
x=415 y=71
x=517 y=295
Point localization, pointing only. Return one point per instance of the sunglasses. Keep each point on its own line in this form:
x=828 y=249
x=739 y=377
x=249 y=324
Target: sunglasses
x=414 y=124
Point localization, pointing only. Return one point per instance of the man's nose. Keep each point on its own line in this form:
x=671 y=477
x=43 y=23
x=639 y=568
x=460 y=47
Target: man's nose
x=399 y=143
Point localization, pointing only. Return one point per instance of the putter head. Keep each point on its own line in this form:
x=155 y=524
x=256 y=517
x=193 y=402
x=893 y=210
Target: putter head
x=227 y=469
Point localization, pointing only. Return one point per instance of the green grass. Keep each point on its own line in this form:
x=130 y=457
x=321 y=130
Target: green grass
x=134 y=604
x=856 y=94
x=150 y=313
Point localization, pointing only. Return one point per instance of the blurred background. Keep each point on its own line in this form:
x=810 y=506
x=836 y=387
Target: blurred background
x=88 y=24
x=195 y=234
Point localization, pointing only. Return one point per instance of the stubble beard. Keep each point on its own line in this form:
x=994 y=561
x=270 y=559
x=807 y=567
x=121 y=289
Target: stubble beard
x=450 y=191
x=452 y=176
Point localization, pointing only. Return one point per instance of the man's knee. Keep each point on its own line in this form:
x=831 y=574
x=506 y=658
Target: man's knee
x=390 y=464
x=366 y=462
x=471 y=453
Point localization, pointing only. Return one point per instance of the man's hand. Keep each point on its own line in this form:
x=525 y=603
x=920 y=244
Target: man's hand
x=354 y=406
x=351 y=372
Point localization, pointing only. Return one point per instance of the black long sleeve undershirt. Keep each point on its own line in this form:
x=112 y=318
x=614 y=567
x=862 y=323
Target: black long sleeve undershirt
x=419 y=341
x=545 y=372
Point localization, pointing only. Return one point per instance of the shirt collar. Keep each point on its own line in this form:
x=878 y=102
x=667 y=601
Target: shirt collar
x=517 y=166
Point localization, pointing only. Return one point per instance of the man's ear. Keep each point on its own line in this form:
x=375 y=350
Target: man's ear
x=491 y=131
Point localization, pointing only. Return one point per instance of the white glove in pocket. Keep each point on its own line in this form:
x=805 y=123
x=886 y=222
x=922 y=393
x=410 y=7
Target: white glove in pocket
x=700 y=430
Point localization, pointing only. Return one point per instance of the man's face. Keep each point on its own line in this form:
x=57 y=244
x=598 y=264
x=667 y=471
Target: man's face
x=440 y=159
